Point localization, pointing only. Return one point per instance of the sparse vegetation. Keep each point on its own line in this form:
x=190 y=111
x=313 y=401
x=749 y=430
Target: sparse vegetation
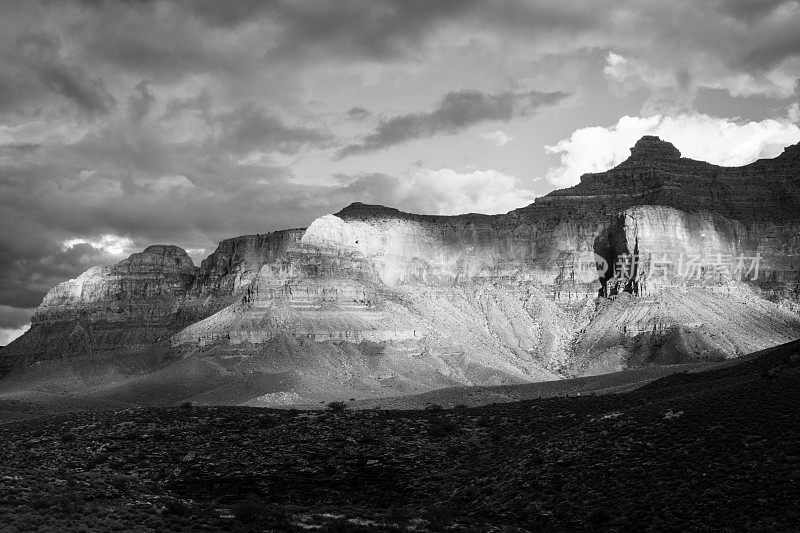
x=249 y=511
x=177 y=507
x=557 y=464
x=441 y=427
x=337 y=406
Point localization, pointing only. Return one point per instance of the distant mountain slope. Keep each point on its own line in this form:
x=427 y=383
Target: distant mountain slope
x=702 y=263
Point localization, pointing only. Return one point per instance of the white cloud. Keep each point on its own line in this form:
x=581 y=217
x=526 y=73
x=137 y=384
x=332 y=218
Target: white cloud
x=499 y=138
x=110 y=244
x=164 y=184
x=673 y=86
x=716 y=140
x=627 y=74
x=447 y=192
x=616 y=66
x=43 y=131
x=9 y=334
x=670 y=93
x=197 y=254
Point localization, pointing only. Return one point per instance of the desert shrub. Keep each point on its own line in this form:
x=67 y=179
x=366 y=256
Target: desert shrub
x=442 y=428
x=468 y=494
x=485 y=422
x=770 y=374
x=439 y=517
x=342 y=525
x=433 y=407
x=249 y=512
x=399 y=514
x=187 y=405
x=452 y=451
x=599 y=518
x=337 y=406
x=367 y=439
x=66 y=503
x=496 y=435
x=97 y=460
x=42 y=501
x=557 y=482
x=538 y=519
x=177 y=507
x=119 y=482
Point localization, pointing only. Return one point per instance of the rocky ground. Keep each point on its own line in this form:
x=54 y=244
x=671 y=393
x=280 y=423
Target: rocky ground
x=705 y=451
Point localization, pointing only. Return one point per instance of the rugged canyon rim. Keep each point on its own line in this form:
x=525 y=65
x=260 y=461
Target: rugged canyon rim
x=659 y=261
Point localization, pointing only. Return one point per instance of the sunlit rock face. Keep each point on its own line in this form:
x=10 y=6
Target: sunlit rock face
x=147 y=286
x=658 y=261
x=124 y=308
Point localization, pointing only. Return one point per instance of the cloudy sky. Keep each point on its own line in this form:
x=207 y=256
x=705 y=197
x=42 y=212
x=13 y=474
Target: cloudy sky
x=124 y=124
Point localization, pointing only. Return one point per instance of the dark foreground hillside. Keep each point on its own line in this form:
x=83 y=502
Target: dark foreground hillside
x=717 y=450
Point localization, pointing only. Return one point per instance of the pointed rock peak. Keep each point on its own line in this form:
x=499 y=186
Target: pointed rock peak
x=652 y=148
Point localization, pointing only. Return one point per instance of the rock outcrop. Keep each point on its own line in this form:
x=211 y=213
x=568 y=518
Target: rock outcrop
x=660 y=260
x=145 y=288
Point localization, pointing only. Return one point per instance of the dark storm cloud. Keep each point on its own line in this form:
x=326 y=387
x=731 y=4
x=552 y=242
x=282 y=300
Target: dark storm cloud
x=28 y=276
x=13 y=317
x=455 y=112
x=140 y=104
x=165 y=40
x=200 y=104
x=38 y=69
x=251 y=40
x=250 y=128
x=772 y=53
x=20 y=147
x=358 y=113
x=381 y=29
x=781 y=40
x=750 y=10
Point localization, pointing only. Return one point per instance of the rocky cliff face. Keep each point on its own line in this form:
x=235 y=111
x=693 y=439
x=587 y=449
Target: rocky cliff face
x=145 y=288
x=659 y=260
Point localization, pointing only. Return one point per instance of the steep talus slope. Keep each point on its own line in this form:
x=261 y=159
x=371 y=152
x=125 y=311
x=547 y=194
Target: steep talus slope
x=660 y=260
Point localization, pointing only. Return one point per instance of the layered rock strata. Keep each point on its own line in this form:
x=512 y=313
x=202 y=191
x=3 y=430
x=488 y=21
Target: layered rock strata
x=659 y=260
